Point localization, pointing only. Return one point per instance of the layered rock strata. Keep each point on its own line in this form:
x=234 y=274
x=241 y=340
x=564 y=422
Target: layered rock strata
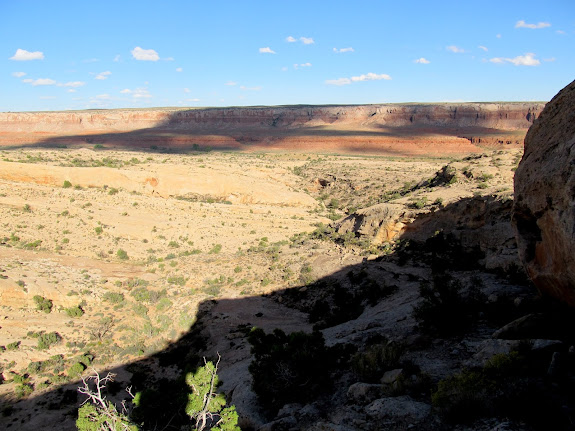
x=412 y=128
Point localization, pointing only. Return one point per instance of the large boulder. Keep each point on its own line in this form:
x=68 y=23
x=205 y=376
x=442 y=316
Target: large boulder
x=544 y=209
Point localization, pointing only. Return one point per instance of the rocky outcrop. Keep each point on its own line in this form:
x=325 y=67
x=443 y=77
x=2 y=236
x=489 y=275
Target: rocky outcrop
x=544 y=210
x=380 y=223
x=457 y=127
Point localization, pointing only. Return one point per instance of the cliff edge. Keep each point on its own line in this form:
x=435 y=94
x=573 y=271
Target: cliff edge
x=391 y=128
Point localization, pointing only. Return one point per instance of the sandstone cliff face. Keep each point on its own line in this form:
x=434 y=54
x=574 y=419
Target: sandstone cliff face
x=367 y=127
x=544 y=211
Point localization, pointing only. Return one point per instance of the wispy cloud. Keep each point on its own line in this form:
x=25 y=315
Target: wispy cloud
x=138 y=93
x=186 y=90
x=422 y=60
x=521 y=60
x=91 y=60
x=23 y=55
x=523 y=24
x=549 y=60
x=73 y=84
x=179 y=69
x=242 y=87
x=342 y=50
x=297 y=66
x=117 y=58
x=302 y=39
x=483 y=48
x=18 y=74
x=103 y=75
x=560 y=32
x=145 y=54
x=367 y=77
x=267 y=50
x=40 y=81
x=231 y=83
x=455 y=49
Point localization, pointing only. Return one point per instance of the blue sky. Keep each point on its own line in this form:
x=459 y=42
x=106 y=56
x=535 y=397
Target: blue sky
x=61 y=55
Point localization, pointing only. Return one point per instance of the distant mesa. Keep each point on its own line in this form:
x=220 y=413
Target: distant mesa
x=402 y=129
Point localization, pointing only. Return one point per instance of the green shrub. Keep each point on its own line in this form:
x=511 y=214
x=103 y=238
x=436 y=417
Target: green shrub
x=122 y=254
x=203 y=401
x=23 y=390
x=13 y=346
x=216 y=249
x=376 y=360
x=67 y=184
x=288 y=368
x=113 y=297
x=74 y=311
x=444 y=309
x=47 y=340
x=76 y=370
x=98 y=230
x=43 y=304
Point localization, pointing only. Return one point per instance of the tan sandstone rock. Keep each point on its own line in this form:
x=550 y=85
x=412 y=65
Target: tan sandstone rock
x=544 y=210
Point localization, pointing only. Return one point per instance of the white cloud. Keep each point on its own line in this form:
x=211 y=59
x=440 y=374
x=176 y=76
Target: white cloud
x=231 y=83
x=455 y=49
x=47 y=97
x=371 y=77
x=242 y=87
x=71 y=90
x=366 y=77
x=498 y=36
x=193 y=100
x=338 y=81
x=291 y=39
x=521 y=60
x=342 y=50
x=103 y=75
x=284 y=69
x=179 y=69
x=297 y=66
x=186 y=90
x=145 y=54
x=73 y=84
x=102 y=97
x=266 y=50
x=483 y=48
x=523 y=24
x=91 y=60
x=560 y=32
x=422 y=60
x=18 y=74
x=306 y=40
x=138 y=93
x=117 y=58
x=23 y=55
x=549 y=59
x=41 y=81
x=168 y=59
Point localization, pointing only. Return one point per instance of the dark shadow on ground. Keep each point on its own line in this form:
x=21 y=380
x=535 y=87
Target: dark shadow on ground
x=222 y=325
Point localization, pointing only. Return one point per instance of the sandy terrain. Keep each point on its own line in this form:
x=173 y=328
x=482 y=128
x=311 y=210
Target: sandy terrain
x=139 y=239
